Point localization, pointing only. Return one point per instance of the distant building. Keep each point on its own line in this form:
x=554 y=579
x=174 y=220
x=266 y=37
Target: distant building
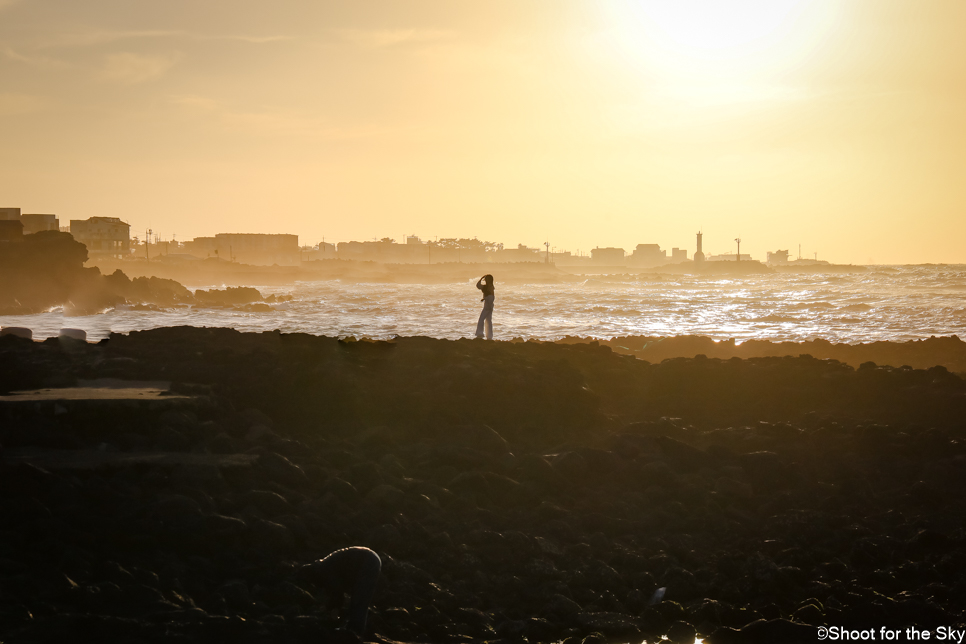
x=728 y=257
x=248 y=248
x=679 y=255
x=648 y=255
x=36 y=223
x=780 y=258
x=452 y=249
x=9 y=214
x=610 y=256
x=566 y=258
x=519 y=254
x=202 y=247
x=11 y=230
x=387 y=251
x=102 y=235
x=777 y=258
x=323 y=250
x=699 y=253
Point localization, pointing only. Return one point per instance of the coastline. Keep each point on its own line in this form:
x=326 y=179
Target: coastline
x=212 y=271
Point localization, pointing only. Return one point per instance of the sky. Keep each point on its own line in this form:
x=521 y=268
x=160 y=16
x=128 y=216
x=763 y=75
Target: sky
x=837 y=126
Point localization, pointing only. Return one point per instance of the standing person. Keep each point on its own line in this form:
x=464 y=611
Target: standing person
x=485 y=284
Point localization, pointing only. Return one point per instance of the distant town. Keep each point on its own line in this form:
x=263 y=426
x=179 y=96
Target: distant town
x=110 y=237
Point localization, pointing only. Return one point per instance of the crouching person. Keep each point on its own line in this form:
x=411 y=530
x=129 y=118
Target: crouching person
x=350 y=571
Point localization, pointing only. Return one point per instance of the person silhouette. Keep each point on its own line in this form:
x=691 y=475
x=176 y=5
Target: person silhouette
x=485 y=284
x=353 y=571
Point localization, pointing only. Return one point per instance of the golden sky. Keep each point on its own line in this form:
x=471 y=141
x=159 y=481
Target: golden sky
x=840 y=126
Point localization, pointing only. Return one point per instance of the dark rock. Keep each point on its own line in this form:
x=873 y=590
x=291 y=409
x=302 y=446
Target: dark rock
x=765 y=469
x=222 y=527
x=271 y=535
x=271 y=504
x=824 y=516
x=479 y=437
x=203 y=477
x=236 y=594
x=765 y=632
x=175 y=507
x=282 y=469
x=222 y=444
x=171 y=440
x=341 y=489
x=810 y=614
x=684 y=456
x=610 y=624
x=571 y=466
x=681 y=633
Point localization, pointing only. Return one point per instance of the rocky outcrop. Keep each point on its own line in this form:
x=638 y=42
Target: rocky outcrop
x=46 y=270
x=948 y=352
x=526 y=492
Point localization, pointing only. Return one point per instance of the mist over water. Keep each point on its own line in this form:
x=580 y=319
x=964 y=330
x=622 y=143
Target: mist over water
x=886 y=303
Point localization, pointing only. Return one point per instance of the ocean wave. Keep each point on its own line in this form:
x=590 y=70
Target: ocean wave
x=887 y=304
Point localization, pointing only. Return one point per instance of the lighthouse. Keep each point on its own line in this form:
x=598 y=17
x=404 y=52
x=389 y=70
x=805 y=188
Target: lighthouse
x=699 y=254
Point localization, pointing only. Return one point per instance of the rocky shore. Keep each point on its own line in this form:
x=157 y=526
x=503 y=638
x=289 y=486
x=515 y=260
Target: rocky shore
x=46 y=270
x=164 y=486
x=948 y=352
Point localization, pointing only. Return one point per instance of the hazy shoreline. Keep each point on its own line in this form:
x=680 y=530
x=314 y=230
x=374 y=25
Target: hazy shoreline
x=222 y=272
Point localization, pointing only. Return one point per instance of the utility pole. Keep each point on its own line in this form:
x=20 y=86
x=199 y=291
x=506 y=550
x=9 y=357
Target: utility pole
x=738 y=239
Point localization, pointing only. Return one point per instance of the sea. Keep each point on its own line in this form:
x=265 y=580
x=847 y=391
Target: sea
x=895 y=303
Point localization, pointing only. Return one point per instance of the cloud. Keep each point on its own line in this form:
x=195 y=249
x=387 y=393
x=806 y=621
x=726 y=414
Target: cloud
x=14 y=55
x=13 y=104
x=126 y=67
x=280 y=122
x=258 y=40
x=29 y=59
x=94 y=38
x=196 y=102
x=383 y=38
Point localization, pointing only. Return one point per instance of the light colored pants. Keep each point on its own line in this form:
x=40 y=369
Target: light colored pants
x=486 y=318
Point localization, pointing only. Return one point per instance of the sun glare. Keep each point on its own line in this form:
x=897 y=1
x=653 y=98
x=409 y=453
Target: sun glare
x=733 y=38
x=719 y=28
